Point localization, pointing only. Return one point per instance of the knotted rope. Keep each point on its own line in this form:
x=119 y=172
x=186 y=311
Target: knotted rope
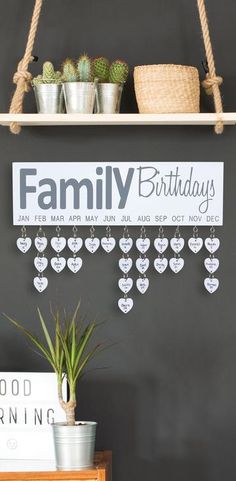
x=22 y=77
x=212 y=82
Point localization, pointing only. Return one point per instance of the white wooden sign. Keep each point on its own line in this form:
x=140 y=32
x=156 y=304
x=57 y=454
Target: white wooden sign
x=118 y=193
x=28 y=405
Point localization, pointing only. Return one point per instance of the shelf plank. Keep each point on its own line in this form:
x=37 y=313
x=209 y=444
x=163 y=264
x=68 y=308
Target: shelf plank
x=228 y=118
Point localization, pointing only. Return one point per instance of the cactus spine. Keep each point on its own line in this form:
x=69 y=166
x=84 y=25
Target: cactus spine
x=69 y=71
x=101 y=68
x=119 y=71
x=49 y=76
x=85 y=69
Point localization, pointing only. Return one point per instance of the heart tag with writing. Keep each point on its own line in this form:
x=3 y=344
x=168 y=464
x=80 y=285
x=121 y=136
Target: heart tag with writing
x=75 y=244
x=211 y=264
x=125 y=304
x=212 y=244
x=40 y=263
x=74 y=264
x=161 y=244
x=195 y=244
x=211 y=284
x=58 y=243
x=58 y=263
x=40 y=243
x=143 y=244
x=177 y=244
x=92 y=244
x=142 y=284
x=125 y=244
x=108 y=243
x=160 y=264
x=142 y=264
x=125 y=264
x=125 y=284
x=24 y=244
x=40 y=283
x=176 y=264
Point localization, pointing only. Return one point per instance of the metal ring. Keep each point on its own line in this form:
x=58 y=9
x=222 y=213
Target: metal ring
x=58 y=229
x=75 y=229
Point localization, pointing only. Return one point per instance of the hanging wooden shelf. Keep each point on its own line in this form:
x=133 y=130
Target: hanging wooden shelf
x=228 y=118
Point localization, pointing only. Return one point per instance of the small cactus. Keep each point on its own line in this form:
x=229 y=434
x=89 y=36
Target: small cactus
x=69 y=71
x=49 y=76
x=101 y=69
x=119 y=71
x=85 y=69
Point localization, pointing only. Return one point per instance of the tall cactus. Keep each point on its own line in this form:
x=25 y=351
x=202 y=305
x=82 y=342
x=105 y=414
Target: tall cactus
x=69 y=71
x=119 y=71
x=85 y=69
x=101 y=67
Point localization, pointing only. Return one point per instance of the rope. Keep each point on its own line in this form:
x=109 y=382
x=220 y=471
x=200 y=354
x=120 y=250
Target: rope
x=22 y=77
x=212 y=82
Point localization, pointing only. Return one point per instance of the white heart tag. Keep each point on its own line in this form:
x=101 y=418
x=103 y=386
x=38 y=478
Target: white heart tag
x=125 y=304
x=58 y=243
x=92 y=244
x=40 y=263
x=142 y=284
x=211 y=264
x=161 y=244
x=211 y=284
x=125 y=264
x=212 y=244
x=125 y=284
x=195 y=244
x=40 y=243
x=108 y=243
x=74 y=264
x=142 y=264
x=58 y=263
x=40 y=283
x=177 y=244
x=24 y=244
x=176 y=264
x=75 y=244
x=125 y=244
x=160 y=264
x=143 y=244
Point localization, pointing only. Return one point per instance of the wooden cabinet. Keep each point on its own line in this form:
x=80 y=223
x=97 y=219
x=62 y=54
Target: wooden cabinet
x=102 y=471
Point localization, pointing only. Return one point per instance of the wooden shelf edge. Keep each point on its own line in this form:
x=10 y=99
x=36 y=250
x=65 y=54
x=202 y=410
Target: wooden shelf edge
x=229 y=118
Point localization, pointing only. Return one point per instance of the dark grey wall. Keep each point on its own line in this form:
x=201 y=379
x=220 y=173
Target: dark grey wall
x=166 y=401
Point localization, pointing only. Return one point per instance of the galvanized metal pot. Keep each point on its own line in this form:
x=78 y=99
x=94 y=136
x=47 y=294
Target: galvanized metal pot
x=49 y=98
x=74 y=445
x=108 y=98
x=79 y=97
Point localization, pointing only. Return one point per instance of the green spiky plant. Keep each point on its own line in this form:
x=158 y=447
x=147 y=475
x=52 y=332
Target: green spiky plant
x=101 y=66
x=119 y=71
x=69 y=71
x=85 y=68
x=67 y=351
x=49 y=75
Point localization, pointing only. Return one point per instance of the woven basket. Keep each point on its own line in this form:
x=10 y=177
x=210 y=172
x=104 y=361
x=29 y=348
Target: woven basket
x=167 y=89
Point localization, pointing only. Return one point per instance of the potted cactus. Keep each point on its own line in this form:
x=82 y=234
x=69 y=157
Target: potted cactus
x=111 y=78
x=78 y=85
x=48 y=90
x=67 y=350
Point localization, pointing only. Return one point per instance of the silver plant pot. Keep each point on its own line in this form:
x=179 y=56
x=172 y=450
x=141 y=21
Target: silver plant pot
x=108 y=98
x=49 y=98
x=74 y=445
x=79 y=97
